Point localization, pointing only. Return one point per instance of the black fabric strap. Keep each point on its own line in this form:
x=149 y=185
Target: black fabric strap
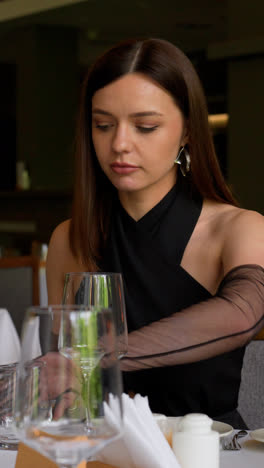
x=148 y=254
x=169 y=224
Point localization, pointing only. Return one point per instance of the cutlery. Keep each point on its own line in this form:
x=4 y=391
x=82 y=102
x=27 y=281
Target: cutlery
x=234 y=444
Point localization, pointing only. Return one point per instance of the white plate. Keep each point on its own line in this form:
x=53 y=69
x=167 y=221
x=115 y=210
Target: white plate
x=159 y=416
x=258 y=435
x=222 y=428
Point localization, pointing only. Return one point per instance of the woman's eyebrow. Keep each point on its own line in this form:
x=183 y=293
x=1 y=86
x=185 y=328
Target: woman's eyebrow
x=96 y=110
x=145 y=114
x=100 y=111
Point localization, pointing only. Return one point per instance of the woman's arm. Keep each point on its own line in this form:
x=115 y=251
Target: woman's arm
x=59 y=261
x=222 y=323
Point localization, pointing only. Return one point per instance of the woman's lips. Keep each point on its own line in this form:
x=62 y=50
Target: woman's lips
x=123 y=168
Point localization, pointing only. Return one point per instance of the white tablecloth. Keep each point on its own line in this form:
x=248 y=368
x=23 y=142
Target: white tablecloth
x=250 y=456
x=7 y=458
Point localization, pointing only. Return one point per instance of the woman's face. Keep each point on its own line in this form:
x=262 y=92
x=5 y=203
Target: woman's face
x=137 y=130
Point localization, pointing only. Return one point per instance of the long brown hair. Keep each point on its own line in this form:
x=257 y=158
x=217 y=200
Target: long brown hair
x=172 y=70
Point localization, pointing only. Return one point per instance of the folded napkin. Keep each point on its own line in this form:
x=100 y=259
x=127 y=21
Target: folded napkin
x=10 y=349
x=31 y=343
x=9 y=341
x=142 y=444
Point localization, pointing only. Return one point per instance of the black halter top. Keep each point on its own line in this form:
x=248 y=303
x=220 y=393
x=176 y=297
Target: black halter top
x=148 y=253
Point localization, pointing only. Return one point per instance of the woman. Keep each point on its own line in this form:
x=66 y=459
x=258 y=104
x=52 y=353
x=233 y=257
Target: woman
x=151 y=202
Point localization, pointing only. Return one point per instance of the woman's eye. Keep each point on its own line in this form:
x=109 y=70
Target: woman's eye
x=143 y=129
x=103 y=127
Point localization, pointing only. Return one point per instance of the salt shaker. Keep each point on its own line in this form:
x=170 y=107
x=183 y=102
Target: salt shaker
x=195 y=444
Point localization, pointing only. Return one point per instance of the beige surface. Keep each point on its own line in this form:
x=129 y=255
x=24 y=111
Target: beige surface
x=28 y=458
x=251 y=455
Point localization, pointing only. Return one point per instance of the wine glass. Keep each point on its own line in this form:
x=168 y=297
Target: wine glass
x=86 y=345
x=100 y=290
x=59 y=412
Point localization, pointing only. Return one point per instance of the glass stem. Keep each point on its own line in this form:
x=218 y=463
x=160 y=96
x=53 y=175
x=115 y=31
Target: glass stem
x=87 y=409
x=68 y=466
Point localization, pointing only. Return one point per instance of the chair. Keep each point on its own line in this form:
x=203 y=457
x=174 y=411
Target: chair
x=43 y=292
x=19 y=286
x=260 y=335
x=250 y=400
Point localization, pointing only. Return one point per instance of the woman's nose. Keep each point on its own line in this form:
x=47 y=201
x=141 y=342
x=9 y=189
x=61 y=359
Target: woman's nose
x=122 y=140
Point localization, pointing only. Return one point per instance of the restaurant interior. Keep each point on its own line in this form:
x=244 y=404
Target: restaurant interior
x=46 y=49
x=43 y=56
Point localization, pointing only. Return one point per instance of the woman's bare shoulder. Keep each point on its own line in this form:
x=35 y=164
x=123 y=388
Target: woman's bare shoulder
x=59 y=247
x=234 y=221
x=225 y=216
x=242 y=233
x=60 y=236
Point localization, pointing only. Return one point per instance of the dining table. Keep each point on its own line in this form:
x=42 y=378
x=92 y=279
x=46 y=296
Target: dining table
x=251 y=455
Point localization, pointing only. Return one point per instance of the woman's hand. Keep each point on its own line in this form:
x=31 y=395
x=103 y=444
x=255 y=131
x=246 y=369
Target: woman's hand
x=60 y=381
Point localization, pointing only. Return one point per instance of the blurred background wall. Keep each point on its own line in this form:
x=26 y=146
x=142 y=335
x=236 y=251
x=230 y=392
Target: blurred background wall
x=45 y=48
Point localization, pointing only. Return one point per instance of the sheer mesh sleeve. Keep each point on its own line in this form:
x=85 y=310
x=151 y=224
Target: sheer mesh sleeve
x=224 y=322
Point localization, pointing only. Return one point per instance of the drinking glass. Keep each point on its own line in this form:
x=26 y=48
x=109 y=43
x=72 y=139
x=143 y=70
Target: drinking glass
x=68 y=378
x=100 y=290
x=8 y=376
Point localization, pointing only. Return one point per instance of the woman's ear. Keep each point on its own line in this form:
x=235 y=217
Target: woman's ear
x=185 y=134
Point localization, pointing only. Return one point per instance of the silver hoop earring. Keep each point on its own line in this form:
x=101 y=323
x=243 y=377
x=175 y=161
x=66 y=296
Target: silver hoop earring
x=184 y=160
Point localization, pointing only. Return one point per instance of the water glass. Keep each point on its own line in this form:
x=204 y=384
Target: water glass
x=8 y=389
x=103 y=290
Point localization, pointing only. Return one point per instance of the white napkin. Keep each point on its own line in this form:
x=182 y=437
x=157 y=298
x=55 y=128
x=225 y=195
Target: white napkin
x=9 y=341
x=142 y=444
x=31 y=344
